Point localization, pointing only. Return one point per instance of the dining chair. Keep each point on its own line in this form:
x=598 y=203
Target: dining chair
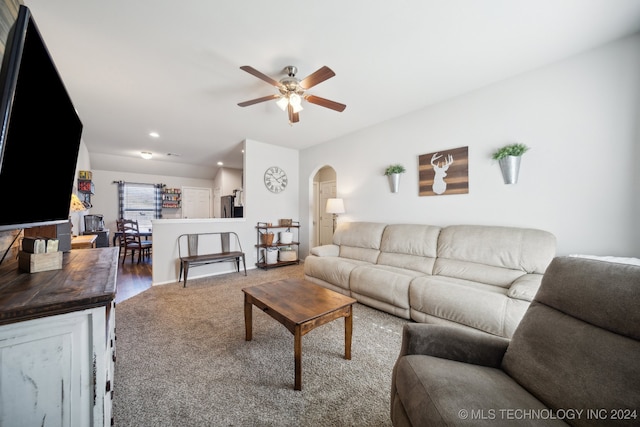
x=130 y=240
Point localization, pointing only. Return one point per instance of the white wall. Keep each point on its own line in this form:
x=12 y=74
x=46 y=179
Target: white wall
x=261 y=205
x=580 y=179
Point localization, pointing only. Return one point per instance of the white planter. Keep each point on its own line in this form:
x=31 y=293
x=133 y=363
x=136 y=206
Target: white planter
x=510 y=167
x=394 y=182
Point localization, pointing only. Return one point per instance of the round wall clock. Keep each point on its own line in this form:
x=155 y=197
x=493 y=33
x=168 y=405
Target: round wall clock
x=275 y=179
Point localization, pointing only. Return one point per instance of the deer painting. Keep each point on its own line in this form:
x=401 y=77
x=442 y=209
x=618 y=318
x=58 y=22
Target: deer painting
x=440 y=170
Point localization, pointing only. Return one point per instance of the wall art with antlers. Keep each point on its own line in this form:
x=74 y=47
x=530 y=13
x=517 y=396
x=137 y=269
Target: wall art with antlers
x=444 y=172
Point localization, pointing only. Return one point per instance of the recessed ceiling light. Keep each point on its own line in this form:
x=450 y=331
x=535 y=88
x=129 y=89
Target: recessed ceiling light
x=220 y=163
x=146 y=155
x=154 y=134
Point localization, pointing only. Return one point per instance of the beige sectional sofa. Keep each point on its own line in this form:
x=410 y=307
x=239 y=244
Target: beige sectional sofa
x=472 y=276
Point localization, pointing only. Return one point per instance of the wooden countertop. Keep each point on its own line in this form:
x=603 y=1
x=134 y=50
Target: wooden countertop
x=87 y=280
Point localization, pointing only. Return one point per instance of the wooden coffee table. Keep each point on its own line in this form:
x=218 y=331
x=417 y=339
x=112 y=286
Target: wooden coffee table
x=300 y=306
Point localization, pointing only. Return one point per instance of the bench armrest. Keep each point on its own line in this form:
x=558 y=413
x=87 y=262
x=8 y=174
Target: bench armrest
x=453 y=343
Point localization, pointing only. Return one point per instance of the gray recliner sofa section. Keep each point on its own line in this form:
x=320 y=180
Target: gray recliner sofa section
x=472 y=276
x=572 y=360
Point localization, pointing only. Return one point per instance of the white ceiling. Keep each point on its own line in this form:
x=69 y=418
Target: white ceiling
x=132 y=67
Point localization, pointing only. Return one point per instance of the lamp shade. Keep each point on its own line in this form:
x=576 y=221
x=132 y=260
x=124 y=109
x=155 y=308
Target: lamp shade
x=76 y=204
x=335 y=206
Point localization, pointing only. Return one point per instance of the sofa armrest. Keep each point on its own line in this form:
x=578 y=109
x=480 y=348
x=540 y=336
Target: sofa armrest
x=326 y=250
x=449 y=342
x=525 y=287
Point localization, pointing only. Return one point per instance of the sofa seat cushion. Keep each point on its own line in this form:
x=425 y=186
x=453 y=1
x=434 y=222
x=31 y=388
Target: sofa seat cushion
x=441 y=392
x=476 y=305
x=333 y=270
x=383 y=283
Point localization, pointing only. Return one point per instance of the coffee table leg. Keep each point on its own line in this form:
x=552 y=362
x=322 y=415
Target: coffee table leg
x=248 y=319
x=297 y=351
x=348 y=328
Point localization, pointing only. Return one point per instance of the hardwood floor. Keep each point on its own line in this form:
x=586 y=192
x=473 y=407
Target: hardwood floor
x=133 y=278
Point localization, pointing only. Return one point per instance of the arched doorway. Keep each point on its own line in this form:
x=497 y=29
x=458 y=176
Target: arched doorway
x=324 y=187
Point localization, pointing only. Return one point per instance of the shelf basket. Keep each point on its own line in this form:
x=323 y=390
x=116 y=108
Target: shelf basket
x=287 y=255
x=267 y=239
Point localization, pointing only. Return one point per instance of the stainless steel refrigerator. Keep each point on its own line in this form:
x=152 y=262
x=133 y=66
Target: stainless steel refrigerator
x=228 y=209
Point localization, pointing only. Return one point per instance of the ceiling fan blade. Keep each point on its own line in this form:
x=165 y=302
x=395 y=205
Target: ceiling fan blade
x=293 y=117
x=325 y=103
x=316 y=77
x=257 y=100
x=249 y=69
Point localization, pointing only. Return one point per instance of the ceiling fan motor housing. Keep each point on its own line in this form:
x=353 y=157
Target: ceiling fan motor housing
x=290 y=85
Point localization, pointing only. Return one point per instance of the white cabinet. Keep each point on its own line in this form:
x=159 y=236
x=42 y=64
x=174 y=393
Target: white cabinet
x=58 y=370
x=57 y=342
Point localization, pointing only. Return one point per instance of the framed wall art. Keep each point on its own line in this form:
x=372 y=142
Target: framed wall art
x=444 y=172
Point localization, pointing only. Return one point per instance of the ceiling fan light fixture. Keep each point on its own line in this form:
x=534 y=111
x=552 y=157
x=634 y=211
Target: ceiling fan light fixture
x=296 y=102
x=283 y=102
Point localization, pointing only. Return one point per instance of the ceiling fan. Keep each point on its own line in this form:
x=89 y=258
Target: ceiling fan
x=292 y=90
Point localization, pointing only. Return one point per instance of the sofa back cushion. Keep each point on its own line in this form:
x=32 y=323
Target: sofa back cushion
x=578 y=345
x=409 y=246
x=359 y=240
x=491 y=254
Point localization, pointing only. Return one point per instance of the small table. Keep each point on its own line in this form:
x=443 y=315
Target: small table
x=84 y=242
x=300 y=306
x=103 y=237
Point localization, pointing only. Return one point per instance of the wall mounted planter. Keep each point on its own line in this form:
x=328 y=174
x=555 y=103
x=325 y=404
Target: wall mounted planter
x=510 y=167
x=394 y=182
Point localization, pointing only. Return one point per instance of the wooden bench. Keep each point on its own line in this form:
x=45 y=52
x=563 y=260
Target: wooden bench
x=208 y=248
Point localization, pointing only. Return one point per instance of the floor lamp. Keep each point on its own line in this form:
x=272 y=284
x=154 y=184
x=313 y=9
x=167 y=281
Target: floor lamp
x=335 y=207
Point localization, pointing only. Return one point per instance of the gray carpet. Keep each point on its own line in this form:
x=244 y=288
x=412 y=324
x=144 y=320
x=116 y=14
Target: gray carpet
x=182 y=360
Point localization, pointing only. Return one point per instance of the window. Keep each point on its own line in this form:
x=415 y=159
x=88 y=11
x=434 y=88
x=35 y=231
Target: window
x=141 y=202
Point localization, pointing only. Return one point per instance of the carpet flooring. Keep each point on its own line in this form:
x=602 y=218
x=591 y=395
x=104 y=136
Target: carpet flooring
x=182 y=360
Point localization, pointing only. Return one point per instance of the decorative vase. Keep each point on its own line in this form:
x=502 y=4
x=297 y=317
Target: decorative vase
x=510 y=167
x=394 y=182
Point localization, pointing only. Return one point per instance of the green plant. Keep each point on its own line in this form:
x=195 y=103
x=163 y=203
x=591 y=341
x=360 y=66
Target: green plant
x=510 y=150
x=394 y=169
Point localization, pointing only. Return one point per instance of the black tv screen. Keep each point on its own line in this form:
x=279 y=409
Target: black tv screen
x=40 y=133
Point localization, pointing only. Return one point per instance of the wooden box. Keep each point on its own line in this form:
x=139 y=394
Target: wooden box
x=34 y=263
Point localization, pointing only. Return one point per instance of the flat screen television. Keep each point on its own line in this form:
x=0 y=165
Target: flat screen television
x=40 y=132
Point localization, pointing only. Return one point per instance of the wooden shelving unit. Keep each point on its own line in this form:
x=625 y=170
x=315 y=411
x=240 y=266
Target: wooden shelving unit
x=263 y=228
